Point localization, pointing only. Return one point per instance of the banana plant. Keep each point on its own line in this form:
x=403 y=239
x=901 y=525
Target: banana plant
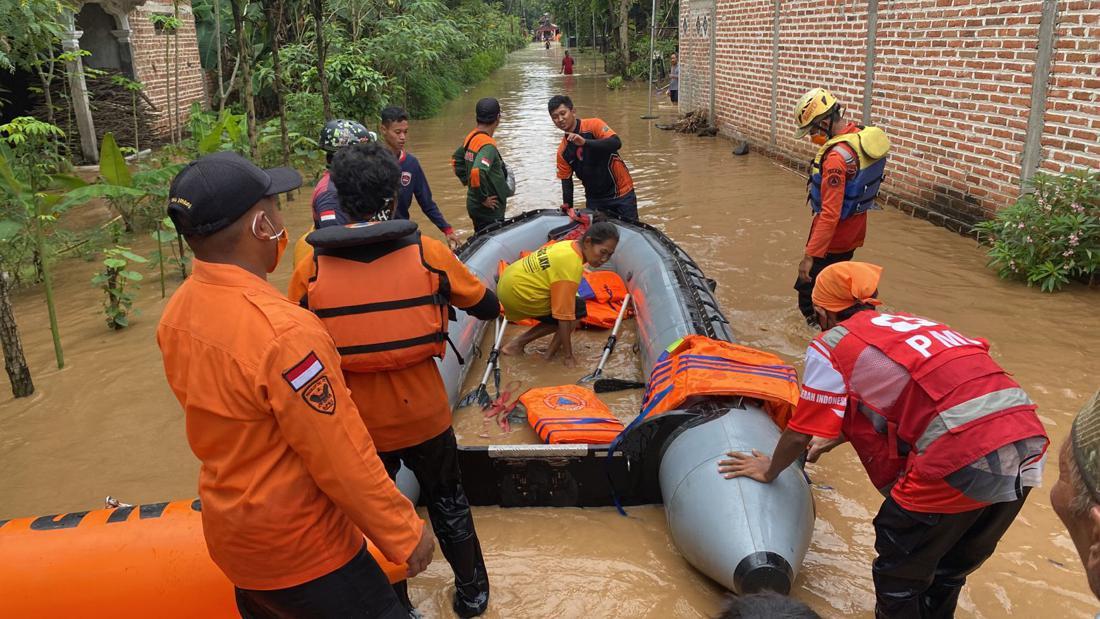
x=135 y=196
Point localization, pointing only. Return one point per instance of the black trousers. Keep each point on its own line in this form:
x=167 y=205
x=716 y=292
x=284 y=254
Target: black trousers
x=358 y=589
x=435 y=464
x=923 y=559
x=624 y=207
x=805 y=289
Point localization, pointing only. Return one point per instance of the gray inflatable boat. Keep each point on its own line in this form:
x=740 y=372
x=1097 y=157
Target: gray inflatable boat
x=745 y=535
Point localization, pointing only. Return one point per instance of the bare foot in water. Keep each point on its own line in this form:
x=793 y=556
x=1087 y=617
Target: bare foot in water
x=512 y=348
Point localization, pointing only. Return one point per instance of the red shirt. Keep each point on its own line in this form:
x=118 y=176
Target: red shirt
x=828 y=234
x=567 y=65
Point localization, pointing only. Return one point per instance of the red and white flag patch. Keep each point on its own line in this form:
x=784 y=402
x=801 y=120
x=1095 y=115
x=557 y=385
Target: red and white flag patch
x=485 y=162
x=328 y=215
x=304 y=371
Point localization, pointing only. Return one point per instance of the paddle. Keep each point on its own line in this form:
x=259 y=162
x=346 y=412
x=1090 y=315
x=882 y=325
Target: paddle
x=609 y=347
x=605 y=385
x=481 y=394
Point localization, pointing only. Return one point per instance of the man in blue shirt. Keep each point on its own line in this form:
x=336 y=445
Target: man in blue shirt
x=394 y=131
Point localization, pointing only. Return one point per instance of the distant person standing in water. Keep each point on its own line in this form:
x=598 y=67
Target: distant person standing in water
x=566 y=64
x=590 y=149
x=673 y=88
x=844 y=181
x=394 y=130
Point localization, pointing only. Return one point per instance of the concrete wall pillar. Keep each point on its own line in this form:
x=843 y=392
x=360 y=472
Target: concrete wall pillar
x=78 y=89
x=1033 y=147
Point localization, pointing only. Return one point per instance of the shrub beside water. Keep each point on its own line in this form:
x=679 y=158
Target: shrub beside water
x=1051 y=235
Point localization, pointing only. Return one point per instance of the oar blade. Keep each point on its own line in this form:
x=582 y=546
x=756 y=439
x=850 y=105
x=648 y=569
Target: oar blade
x=605 y=385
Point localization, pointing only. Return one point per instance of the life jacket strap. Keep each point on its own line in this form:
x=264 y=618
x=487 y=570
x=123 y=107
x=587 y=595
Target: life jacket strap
x=431 y=338
x=381 y=306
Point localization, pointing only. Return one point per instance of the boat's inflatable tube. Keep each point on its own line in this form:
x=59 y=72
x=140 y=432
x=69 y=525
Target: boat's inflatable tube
x=745 y=535
x=141 y=561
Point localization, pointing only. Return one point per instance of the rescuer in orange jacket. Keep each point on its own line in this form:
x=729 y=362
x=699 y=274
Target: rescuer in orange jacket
x=289 y=480
x=845 y=177
x=383 y=292
x=945 y=434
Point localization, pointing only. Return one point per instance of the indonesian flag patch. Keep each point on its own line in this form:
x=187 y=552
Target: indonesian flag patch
x=328 y=215
x=485 y=162
x=304 y=371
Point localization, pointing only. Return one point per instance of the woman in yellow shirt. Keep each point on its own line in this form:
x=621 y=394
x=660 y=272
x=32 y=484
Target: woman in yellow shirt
x=544 y=286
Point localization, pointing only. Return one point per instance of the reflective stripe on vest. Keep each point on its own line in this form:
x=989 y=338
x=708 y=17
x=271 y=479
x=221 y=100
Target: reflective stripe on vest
x=957 y=404
x=971 y=410
x=861 y=190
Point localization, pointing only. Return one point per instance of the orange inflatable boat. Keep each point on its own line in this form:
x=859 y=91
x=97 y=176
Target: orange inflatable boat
x=140 y=561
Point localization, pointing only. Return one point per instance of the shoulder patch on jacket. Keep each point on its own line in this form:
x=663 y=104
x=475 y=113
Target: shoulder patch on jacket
x=304 y=371
x=319 y=396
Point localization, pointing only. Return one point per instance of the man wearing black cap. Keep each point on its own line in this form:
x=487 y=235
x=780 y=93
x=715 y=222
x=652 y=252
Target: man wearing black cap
x=290 y=479
x=488 y=186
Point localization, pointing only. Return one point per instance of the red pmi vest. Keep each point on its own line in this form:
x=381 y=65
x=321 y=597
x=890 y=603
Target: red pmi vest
x=958 y=405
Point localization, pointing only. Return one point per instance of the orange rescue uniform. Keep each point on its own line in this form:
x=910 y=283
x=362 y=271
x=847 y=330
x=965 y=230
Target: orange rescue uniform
x=828 y=233
x=406 y=407
x=290 y=479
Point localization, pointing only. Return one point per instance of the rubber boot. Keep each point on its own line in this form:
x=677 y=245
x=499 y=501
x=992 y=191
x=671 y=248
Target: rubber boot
x=471 y=579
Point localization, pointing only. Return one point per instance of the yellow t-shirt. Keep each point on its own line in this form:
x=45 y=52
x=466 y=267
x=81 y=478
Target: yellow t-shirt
x=544 y=283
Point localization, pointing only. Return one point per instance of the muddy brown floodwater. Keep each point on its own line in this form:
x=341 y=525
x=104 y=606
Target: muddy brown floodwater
x=108 y=424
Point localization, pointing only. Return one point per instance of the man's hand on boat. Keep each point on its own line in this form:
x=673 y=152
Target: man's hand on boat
x=740 y=464
x=762 y=468
x=421 y=555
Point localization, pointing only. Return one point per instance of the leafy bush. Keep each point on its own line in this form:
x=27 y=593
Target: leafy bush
x=118 y=282
x=1051 y=235
x=615 y=83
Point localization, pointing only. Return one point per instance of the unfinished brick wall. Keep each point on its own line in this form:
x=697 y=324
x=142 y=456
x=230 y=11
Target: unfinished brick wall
x=1071 y=136
x=952 y=86
x=148 y=47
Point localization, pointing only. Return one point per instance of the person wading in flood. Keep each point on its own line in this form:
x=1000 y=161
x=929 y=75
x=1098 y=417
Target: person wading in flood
x=394 y=129
x=544 y=286
x=673 y=87
x=948 y=437
x=844 y=179
x=590 y=149
x=1076 y=495
x=290 y=481
x=477 y=163
x=335 y=135
x=566 y=64
x=389 y=335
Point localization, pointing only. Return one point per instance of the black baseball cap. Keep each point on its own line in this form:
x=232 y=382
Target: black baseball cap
x=487 y=110
x=216 y=190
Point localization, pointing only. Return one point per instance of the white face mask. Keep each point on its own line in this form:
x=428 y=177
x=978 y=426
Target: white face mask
x=280 y=239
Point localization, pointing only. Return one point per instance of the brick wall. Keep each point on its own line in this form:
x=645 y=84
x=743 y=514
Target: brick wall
x=148 y=47
x=952 y=87
x=1071 y=136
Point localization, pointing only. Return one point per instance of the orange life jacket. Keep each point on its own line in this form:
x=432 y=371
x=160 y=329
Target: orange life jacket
x=570 y=414
x=603 y=293
x=699 y=366
x=384 y=306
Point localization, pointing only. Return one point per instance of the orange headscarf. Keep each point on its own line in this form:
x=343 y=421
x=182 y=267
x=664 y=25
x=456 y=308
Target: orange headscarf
x=844 y=284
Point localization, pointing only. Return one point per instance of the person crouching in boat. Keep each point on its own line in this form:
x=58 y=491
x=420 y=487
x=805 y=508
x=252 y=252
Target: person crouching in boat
x=946 y=435
x=544 y=286
x=383 y=291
